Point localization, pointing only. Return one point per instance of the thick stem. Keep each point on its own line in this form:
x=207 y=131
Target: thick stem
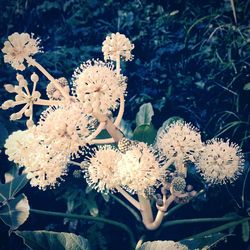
x=100 y=127
x=34 y=63
x=116 y=123
x=161 y=212
x=47 y=102
x=146 y=211
x=87 y=217
x=126 y=195
x=114 y=132
x=147 y=217
x=118 y=65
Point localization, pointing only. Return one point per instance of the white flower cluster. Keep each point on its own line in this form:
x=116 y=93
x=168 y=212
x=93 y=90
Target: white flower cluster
x=18 y=48
x=43 y=165
x=135 y=170
x=220 y=161
x=181 y=141
x=98 y=87
x=216 y=160
x=100 y=169
x=67 y=127
x=139 y=168
x=117 y=45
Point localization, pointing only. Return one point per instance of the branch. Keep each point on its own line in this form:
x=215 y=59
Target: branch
x=88 y=217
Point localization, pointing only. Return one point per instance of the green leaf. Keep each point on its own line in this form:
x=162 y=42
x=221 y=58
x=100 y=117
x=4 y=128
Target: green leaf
x=15 y=212
x=11 y=188
x=47 y=240
x=92 y=206
x=168 y=122
x=204 y=242
x=144 y=116
x=245 y=231
x=125 y=127
x=247 y=86
x=11 y=174
x=106 y=197
x=145 y=133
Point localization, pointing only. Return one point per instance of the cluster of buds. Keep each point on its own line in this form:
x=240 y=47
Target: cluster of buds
x=71 y=122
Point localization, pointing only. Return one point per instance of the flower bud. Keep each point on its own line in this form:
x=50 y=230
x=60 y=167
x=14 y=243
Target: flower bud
x=7 y=104
x=36 y=94
x=9 y=88
x=18 y=89
x=14 y=117
x=178 y=184
x=27 y=112
x=34 y=78
x=30 y=123
x=19 y=77
x=18 y=98
x=23 y=83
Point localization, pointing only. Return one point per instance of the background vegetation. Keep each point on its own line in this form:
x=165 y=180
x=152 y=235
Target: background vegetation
x=191 y=60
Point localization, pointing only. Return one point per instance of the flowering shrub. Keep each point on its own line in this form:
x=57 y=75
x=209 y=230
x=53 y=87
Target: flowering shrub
x=72 y=122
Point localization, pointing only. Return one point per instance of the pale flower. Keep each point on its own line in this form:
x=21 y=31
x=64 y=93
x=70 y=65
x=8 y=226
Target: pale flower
x=98 y=87
x=45 y=170
x=53 y=93
x=17 y=145
x=220 y=161
x=117 y=45
x=101 y=167
x=43 y=165
x=20 y=47
x=181 y=141
x=166 y=245
x=139 y=168
x=66 y=128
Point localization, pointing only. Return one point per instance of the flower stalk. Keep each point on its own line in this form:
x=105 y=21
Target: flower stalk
x=34 y=63
x=91 y=218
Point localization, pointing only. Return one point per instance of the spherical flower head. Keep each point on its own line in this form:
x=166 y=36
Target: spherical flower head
x=101 y=167
x=43 y=166
x=67 y=128
x=220 y=161
x=139 y=168
x=98 y=87
x=45 y=170
x=178 y=184
x=116 y=45
x=53 y=93
x=181 y=141
x=18 y=145
x=20 y=47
